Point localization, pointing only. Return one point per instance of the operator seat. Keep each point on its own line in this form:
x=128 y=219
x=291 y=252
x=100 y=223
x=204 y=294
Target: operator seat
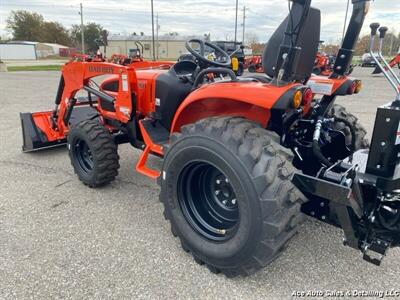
x=172 y=88
x=308 y=41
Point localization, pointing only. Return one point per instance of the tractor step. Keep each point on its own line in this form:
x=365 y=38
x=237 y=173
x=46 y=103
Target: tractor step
x=155 y=136
x=158 y=133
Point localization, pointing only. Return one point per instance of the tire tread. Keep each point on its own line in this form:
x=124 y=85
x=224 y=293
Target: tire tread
x=269 y=165
x=104 y=150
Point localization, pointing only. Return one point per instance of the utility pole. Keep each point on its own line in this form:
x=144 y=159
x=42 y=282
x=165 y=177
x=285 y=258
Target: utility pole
x=152 y=30
x=157 y=28
x=236 y=19
x=244 y=23
x=345 y=20
x=82 y=30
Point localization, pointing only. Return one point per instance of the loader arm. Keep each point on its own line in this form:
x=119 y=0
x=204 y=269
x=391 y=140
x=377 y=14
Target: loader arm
x=78 y=75
x=50 y=128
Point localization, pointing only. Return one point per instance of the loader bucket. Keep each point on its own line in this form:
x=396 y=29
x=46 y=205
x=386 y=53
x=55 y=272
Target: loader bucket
x=34 y=137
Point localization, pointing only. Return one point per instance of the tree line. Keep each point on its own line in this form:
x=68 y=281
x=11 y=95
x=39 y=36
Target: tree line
x=391 y=45
x=31 y=26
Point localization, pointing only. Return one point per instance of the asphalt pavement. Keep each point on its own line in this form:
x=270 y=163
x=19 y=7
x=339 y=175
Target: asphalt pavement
x=60 y=239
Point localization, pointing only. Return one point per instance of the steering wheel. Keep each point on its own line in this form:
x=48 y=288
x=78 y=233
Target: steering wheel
x=203 y=60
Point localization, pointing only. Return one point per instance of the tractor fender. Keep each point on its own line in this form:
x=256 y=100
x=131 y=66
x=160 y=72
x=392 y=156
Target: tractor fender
x=251 y=100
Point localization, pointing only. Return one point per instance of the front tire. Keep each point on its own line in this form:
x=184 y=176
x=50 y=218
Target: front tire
x=227 y=193
x=93 y=153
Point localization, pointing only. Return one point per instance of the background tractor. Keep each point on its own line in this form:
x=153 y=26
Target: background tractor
x=254 y=64
x=243 y=158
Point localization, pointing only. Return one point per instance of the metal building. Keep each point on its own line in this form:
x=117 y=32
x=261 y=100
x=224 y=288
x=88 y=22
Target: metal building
x=167 y=47
x=13 y=51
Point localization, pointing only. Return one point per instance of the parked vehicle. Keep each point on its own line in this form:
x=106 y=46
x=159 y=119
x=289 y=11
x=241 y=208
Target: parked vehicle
x=367 y=60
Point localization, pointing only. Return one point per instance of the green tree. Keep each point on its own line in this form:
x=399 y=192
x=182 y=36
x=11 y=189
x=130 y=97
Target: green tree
x=330 y=49
x=363 y=44
x=25 y=25
x=54 y=32
x=92 y=33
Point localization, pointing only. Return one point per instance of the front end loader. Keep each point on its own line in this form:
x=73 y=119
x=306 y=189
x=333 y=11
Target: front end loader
x=244 y=158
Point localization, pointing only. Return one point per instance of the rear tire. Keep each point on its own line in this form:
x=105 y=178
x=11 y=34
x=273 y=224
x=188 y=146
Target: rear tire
x=233 y=160
x=93 y=153
x=341 y=112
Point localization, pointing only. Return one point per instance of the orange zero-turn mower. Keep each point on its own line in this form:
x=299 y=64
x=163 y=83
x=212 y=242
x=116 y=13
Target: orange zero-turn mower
x=243 y=158
x=393 y=63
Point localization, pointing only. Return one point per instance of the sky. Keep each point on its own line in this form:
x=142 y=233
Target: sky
x=197 y=17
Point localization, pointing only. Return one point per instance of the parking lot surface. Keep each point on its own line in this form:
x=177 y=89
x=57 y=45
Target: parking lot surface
x=60 y=239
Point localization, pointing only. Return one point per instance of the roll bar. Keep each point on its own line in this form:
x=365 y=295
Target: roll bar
x=345 y=54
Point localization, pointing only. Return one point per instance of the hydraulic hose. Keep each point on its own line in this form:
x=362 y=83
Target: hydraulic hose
x=315 y=146
x=317 y=134
x=318 y=154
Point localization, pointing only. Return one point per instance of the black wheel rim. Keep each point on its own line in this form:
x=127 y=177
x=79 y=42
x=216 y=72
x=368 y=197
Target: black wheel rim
x=83 y=155
x=208 y=201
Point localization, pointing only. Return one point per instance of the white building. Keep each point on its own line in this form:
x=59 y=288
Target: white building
x=22 y=50
x=17 y=51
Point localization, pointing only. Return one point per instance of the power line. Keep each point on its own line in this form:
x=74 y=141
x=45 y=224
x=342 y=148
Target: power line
x=107 y=9
x=345 y=19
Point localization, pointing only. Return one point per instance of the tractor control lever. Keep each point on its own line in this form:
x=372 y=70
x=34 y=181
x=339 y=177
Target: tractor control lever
x=382 y=32
x=380 y=60
x=374 y=28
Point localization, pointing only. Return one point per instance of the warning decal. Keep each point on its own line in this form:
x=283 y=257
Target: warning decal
x=321 y=88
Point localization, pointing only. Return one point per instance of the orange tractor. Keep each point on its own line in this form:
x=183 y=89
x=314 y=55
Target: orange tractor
x=243 y=158
x=254 y=64
x=322 y=65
